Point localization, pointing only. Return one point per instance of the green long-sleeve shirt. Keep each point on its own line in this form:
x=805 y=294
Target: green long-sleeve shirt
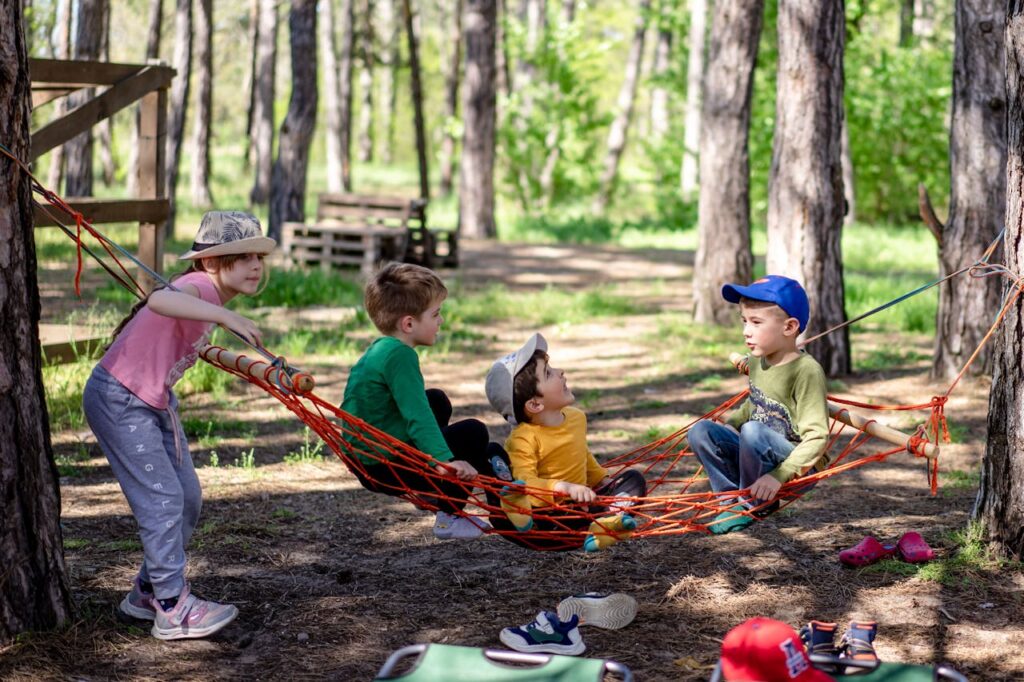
x=385 y=389
x=791 y=400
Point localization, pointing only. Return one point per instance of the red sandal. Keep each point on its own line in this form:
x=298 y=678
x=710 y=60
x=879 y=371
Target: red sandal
x=867 y=551
x=913 y=549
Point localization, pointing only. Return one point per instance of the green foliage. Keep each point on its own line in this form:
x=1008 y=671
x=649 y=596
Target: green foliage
x=308 y=453
x=64 y=385
x=555 y=115
x=304 y=287
x=209 y=433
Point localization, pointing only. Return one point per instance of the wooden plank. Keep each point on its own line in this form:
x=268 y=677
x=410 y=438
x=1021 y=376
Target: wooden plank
x=100 y=211
x=41 y=96
x=79 y=73
x=301 y=229
x=100 y=107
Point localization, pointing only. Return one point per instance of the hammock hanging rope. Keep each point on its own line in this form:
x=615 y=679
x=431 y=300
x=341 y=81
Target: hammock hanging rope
x=671 y=506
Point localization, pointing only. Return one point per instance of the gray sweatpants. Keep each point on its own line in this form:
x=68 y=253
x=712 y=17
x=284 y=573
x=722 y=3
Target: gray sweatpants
x=148 y=452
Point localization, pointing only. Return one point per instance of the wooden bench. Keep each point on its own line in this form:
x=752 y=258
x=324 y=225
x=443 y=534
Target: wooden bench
x=359 y=229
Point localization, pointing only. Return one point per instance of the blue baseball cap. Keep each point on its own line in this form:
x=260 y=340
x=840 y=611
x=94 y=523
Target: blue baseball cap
x=782 y=291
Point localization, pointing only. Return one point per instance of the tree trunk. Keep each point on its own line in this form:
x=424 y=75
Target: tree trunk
x=977 y=198
x=104 y=129
x=250 y=83
x=366 y=51
x=345 y=89
x=723 y=248
x=34 y=592
x=288 y=186
x=688 y=181
x=332 y=95
x=26 y=25
x=659 y=117
x=906 y=23
x=263 y=111
x=532 y=20
x=452 y=71
x=627 y=97
x=849 y=189
x=78 y=152
x=204 y=106
x=1000 y=503
x=156 y=18
x=924 y=18
x=504 y=76
x=553 y=140
x=389 y=58
x=417 y=99
x=805 y=187
x=57 y=156
x=178 y=104
x=476 y=170
x=568 y=11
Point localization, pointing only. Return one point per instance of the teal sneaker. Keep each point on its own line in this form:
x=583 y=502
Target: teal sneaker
x=732 y=519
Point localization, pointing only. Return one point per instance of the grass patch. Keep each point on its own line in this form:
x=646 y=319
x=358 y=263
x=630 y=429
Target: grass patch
x=123 y=545
x=70 y=465
x=71 y=544
x=886 y=358
x=956 y=479
x=209 y=433
x=309 y=452
x=693 y=346
x=63 y=385
x=304 y=287
x=549 y=306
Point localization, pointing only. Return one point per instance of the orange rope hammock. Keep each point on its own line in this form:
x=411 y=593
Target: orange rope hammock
x=671 y=506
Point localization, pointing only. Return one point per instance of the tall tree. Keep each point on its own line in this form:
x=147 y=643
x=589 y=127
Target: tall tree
x=452 y=62
x=977 y=200
x=288 y=184
x=204 y=105
x=417 y=98
x=156 y=19
x=63 y=51
x=34 y=593
x=390 y=30
x=479 y=100
x=178 y=103
x=78 y=152
x=694 y=76
x=659 y=115
x=723 y=248
x=253 y=34
x=805 y=186
x=1000 y=503
x=263 y=109
x=345 y=90
x=906 y=23
x=332 y=95
x=624 y=110
x=105 y=128
x=366 y=67
x=501 y=39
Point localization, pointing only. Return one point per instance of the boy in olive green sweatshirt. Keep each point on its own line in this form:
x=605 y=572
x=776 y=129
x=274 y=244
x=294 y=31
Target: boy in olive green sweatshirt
x=783 y=425
x=385 y=389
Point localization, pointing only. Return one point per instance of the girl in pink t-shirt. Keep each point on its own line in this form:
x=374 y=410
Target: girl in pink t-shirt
x=132 y=410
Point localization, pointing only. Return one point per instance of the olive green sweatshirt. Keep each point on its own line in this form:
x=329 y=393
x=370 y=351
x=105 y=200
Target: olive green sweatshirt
x=790 y=399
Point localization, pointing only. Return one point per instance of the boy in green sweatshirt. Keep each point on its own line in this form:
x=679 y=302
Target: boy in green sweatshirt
x=783 y=425
x=385 y=389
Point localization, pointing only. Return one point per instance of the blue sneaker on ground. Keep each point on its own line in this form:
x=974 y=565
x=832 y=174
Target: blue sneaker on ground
x=546 y=634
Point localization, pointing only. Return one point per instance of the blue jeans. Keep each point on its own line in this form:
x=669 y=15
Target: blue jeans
x=148 y=453
x=733 y=461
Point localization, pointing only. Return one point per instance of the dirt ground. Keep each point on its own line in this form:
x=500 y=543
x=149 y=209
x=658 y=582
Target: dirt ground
x=329 y=578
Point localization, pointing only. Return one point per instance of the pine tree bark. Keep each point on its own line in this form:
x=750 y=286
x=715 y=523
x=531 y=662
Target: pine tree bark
x=288 y=184
x=78 y=152
x=263 y=111
x=200 y=180
x=105 y=128
x=332 y=95
x=977 y=159
x=504 y=76
x=366 y=62
x=452 y=70
x=688 y=181
x=624 y=106
x=1000 y=502
x=156 y=19
x=178 y=104
x=390 y=32
x=417 y=98
x=476 y=170
x=34 y=592
x=63 y=51
x=805 y=187
x=723 y=248
x=345 y=88
x=849 y=188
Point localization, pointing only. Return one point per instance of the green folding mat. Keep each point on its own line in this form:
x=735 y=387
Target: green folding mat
x=903 y=672
x=446 y=663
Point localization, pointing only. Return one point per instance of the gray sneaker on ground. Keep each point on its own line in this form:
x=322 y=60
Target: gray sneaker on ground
x=609 y=611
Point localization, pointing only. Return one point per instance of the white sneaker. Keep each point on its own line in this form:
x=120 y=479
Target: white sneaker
x=609 y=611
x=450 y=527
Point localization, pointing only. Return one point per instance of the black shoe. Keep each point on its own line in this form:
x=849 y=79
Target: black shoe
x=766 y=511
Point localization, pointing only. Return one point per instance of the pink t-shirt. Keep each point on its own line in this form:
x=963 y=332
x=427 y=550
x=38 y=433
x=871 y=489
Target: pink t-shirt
x=153 y=351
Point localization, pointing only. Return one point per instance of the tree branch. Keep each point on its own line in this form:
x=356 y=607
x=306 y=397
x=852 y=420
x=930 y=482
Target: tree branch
x=924 y=204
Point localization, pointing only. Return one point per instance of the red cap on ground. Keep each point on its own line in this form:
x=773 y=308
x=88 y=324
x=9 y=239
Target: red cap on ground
x=767 y=650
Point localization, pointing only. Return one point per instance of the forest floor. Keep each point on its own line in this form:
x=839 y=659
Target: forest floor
x=329 y=578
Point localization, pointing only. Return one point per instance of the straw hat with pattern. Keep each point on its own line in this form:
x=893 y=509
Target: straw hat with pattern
x=227 y=233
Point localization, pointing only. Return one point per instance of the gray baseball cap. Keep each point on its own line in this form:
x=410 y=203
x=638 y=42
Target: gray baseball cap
x=502 y=375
